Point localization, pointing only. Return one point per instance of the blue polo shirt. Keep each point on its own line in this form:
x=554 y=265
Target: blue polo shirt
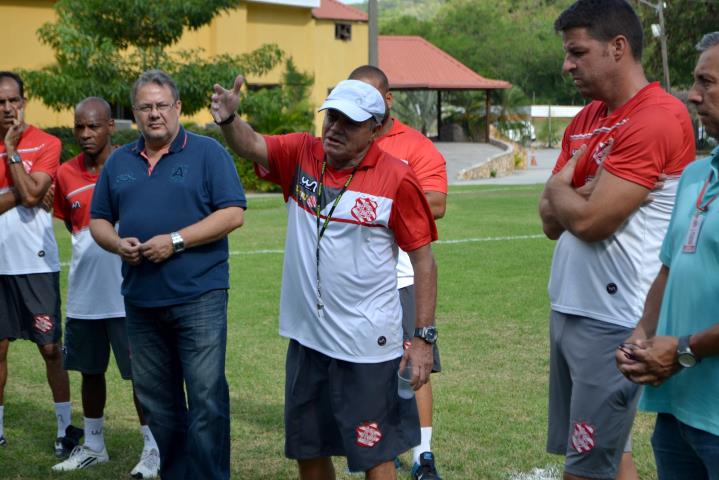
x=690 y=303
x=195 y=178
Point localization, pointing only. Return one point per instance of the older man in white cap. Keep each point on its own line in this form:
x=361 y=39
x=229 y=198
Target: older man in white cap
x=350 y=205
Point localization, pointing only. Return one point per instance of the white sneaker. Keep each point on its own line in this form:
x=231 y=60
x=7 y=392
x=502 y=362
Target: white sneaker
x=148 y=466
x=82 y=457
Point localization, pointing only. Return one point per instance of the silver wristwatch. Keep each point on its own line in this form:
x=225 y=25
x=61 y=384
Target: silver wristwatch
x=13 y=159
x=685 y=356
x=178 y=243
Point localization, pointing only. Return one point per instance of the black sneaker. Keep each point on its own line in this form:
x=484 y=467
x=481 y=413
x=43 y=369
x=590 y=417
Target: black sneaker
x=65 y=445
x=424 y=470
x=3 y=442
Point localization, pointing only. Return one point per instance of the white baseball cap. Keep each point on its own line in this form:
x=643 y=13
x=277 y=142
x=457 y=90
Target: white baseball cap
x=356 y=99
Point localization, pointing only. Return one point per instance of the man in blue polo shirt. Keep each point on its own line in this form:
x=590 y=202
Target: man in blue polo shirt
x=174 y=196
x=674 y=349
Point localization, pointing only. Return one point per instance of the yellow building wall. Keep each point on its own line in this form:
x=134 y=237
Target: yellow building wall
x=310 y=42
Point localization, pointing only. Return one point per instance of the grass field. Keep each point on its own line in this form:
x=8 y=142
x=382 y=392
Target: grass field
x=490 y=400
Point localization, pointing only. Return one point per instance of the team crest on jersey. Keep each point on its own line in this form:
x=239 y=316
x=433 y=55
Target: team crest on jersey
x=602 y=151
x=583 y=437
x=368 y=434
x=365 y=210
x=42 y=323
x=76 y=204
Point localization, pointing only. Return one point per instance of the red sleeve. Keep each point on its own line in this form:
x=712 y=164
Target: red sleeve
x=411 y=218
x=644 y=149
x=430 y=167
x=58 y=200
x=283 y=156
x=565 y=154
x=48 y=159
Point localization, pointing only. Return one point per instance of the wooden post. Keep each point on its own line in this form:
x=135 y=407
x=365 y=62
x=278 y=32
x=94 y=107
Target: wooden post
x=487 y=106
x=439 y=114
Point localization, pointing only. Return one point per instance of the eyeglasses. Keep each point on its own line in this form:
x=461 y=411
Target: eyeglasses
x=148 y=107
x=11 y=100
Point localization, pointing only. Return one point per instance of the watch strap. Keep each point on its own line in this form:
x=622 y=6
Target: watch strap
x=178 y=243
x=228 y=120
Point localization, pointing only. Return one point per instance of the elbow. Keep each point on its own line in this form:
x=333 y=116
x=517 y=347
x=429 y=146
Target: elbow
x=438 y=212
x=551 y=232
x=30 y=201
x=591 y=232
x=236 y=220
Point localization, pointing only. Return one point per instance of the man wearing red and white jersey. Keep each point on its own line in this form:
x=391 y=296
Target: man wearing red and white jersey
x=95 y=307
x=29 y=264
x=631 y=136
x=350 y=207
x=429 y=165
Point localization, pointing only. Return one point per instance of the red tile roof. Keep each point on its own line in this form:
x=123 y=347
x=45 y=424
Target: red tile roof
x=334 y=10
x=413 y=63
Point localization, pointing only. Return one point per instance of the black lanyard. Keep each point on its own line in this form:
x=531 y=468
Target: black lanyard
x=321 y=231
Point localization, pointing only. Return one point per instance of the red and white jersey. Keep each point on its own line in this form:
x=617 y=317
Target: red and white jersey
x=27 y=240
x=95 y=278
x=428 y=165
x=383 y=207
x=652 y=134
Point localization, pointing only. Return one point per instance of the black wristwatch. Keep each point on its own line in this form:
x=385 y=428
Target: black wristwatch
x=685 y=356
x=178 y=243
x=228 y=120
x=13 y=159
x=428 y=334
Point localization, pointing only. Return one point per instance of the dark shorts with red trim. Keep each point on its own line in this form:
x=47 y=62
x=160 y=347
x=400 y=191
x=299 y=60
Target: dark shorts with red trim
x=406 y=298
x=339 y=408
x=30 y=307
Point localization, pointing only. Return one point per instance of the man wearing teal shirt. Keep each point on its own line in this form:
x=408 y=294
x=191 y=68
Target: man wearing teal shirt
x=675 y=347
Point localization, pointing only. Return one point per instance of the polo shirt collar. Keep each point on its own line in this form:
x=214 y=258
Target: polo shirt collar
x=177 y=145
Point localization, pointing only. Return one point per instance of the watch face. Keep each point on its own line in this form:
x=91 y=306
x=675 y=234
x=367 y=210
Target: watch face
x=430 y=335
x=686 y=360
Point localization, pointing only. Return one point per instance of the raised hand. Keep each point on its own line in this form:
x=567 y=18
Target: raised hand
x=225 y=102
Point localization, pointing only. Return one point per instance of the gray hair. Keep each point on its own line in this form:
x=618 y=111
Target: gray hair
x=708 y=41
x=158 y=77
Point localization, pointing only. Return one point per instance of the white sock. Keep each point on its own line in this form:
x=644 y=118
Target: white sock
x=94 y=438
x=149 y=439
x=2 y=421
x=425 y=444
x=63 y=412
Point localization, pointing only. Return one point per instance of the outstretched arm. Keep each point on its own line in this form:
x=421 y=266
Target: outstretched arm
x=240 y=136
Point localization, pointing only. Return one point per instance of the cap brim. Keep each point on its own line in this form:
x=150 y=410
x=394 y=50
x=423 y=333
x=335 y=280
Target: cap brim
x=348 y=108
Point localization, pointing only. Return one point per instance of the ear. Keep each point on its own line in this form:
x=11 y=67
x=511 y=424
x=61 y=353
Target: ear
x=619 y=48
x=388 y=99
x=111 y=125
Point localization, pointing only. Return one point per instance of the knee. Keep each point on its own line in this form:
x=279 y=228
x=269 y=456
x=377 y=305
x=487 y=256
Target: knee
x=50 y=352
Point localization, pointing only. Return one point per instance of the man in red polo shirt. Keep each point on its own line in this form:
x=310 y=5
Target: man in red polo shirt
x=29 y=262
x=429 y=165
x=350 y=206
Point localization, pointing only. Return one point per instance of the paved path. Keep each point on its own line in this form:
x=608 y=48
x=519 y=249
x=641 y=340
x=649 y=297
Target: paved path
x=464 y=155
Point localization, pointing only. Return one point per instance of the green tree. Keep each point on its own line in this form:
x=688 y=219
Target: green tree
x=686 y=21
x=101 y=47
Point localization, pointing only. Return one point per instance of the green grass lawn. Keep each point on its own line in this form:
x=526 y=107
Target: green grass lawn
x=490 y=400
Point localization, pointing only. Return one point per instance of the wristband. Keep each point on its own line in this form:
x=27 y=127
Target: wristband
x=178 y=243
x=228 y=120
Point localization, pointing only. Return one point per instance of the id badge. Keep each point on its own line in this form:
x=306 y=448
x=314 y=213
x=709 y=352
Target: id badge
x=695 y=226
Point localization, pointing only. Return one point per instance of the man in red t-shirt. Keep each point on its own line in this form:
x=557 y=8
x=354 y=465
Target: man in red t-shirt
x=350 y=205
x=95 y=309
x=29 y=262
x=429 y=165
x=631 y=136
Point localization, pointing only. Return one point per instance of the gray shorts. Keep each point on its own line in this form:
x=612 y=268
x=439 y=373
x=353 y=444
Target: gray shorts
x=339 y=408
x=406 y=298
x=591 y=404
x=88 y=342
x=30 y=307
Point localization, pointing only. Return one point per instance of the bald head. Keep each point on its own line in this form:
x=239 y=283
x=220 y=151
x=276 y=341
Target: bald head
x=372 y=75
x=97 y=104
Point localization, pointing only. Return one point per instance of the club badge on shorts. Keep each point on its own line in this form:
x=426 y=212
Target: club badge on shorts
x=42 y=323
x=368 y=434
x=583 y=437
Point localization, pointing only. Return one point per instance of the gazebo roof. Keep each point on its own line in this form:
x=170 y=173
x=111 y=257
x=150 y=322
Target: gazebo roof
x=412 y=63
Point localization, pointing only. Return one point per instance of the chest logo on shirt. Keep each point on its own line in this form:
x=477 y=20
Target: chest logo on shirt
x=125 y=178
x=179 y=173
x=76 y=204
x=308 y=184
x=602 y=151
x=365 y=210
